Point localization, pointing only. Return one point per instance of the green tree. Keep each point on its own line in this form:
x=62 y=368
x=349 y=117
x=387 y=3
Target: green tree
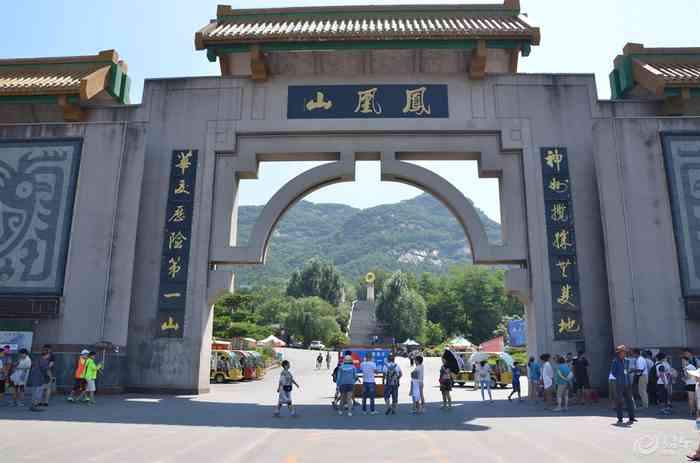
x=311 y=319
x=317 y=279
x=401 y=309
x=434 y=334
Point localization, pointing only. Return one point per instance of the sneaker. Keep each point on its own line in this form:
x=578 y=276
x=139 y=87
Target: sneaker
x=276 y=414
x=558 y=409
x=19 y=404
x=349 y=413
x=373 y=412
x=70 y=398
x=388 y=411
x=364 y=412
x=36 y=408
x=340 y=413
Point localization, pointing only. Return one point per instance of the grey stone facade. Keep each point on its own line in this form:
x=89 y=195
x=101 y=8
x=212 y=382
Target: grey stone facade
x=628 y=268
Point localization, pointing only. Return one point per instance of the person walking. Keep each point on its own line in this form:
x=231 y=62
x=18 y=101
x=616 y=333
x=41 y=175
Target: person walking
x=319 y=361
x=516 y=382
x=484 y=375
x=623 y=393
x=328 y=360
x=696 y=375
x=562 y=379
x=369 y=387
x=284 y=390
x=347 y=377
x=534 y=377
x=39 y=379
x=547 y=379
x=79 y=385
x=392 y=380
x=642 y=373
x=19 y=377
x=446 y=381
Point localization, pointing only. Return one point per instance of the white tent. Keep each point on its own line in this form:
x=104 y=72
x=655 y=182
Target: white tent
x=460 y=341
x=273 y=341
x=410 y=342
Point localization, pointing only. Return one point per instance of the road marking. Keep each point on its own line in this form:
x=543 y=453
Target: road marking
x=435 y=451
x=252 y=445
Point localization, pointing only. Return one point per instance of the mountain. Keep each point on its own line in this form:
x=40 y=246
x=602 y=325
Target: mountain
x=418 y=235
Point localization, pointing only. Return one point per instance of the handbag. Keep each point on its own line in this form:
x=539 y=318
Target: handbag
x=287 y=388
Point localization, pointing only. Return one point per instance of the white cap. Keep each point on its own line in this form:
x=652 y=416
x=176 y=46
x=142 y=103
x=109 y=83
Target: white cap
x=84 y=352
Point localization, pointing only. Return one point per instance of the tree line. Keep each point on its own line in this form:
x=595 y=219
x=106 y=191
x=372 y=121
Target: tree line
x=315 y=305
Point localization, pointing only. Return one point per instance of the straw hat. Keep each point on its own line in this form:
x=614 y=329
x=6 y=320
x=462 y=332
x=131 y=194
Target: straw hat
x=621 y=348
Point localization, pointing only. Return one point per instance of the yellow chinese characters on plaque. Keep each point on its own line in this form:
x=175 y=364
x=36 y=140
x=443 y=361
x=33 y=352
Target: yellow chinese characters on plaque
x=172 y=293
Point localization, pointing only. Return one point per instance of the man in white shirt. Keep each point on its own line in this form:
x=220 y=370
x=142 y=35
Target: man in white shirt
x=547 y=379
x=642 y=373
x=369 y=387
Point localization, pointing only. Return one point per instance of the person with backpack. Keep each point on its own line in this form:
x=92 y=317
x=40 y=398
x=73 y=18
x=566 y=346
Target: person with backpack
x=79 y=386
x=369 y=387
x=346 y=379
x=319 y=361
x=392 y=379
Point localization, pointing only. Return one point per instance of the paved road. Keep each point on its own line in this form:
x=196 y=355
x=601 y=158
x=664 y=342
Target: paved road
x=235 y=424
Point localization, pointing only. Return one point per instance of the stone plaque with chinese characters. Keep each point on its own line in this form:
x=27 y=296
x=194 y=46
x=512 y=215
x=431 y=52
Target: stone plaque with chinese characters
x=367 y=101
x=682 y=159
x=172 y=295
x=561 y=245
x=37 y=187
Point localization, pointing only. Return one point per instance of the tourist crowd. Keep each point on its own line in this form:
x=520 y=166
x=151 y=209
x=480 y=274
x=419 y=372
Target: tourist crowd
x=36 y=379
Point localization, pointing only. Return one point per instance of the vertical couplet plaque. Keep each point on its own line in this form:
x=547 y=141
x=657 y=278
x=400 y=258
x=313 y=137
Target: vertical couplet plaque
x=561 y=245
x=172 y=292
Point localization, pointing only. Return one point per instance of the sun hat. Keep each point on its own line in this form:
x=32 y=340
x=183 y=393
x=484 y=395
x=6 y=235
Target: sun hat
x=84 y=352
x=347 y=359
x=621 y=348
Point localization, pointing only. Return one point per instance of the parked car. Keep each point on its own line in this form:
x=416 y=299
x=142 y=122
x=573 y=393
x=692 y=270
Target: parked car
x=316 y=345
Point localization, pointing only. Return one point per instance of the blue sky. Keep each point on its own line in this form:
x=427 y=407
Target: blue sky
x=156 y=38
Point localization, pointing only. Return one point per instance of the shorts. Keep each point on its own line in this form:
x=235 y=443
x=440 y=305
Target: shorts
x=446 y=386
x=516 y=386
x=690 y=387
x=391 y=391
x=285 y=397
x=583 y=382
x=90 y=385
x=345 y=388
x=79 y=385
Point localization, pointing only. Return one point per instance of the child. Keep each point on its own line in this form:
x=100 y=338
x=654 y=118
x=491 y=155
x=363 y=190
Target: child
x=516 y=382
x=445 y=385
x=90 y=376
x=284 y=389
x=79 y=386
x=414 y=393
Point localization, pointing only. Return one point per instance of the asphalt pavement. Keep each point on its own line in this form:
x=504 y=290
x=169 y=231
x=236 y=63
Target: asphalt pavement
x=235 y=423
